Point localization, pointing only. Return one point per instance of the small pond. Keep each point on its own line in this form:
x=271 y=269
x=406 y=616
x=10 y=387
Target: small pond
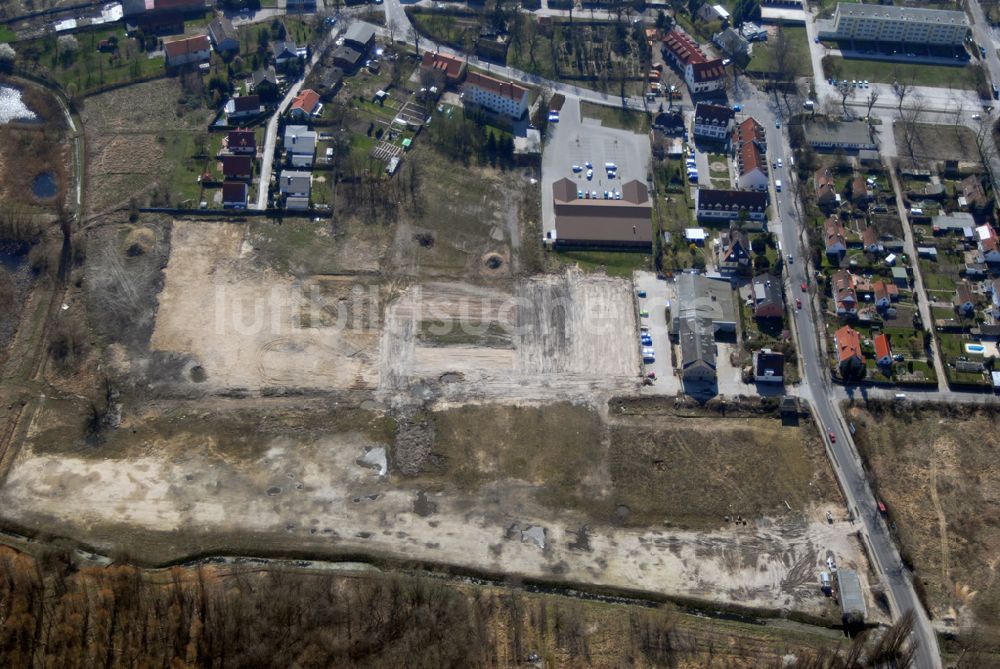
x=44 y=186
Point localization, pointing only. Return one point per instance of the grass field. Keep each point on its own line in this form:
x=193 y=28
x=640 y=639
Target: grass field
x=614 y=263
x=616 y=117
x=943 y=76
x=937 y=472
x=661 y=464
x=762 y=59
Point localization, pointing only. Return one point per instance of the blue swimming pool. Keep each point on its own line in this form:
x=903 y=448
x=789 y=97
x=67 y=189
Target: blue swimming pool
x=975 y=348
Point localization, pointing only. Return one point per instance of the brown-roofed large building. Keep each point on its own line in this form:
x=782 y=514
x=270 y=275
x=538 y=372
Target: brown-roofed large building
x=500 y=97
x=845 y=294
x=242 y=142
x=603 y=223
x=237 y=168
x=451 y=68
x=700 y=74
x=189 y=50
x=730 y=205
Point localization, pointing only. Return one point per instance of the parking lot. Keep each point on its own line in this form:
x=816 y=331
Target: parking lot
x=658 y=292
x=577 y=141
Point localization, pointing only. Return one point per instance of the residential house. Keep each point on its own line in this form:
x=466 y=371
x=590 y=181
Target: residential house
x=300 y=145
x=237 y=168
x=850 y=358
x=670 y=122
x=450 y=69
x=834 y=238
x=753 y=32
x=295 y=183
x=224 y=36
x=305 y=105
x=883 y=351
x=712 y=122
x=869 y=240
x=733 y=44
x=826 y=188
x=767 y=300
x=243 y=107
x=701 y=74
x=283 y=51
x=734 y=253
x=957 y=222
x=347 y=58
x=860 y=195
x=234 y=194
x=361 y=36
x=242 y=142
x=964 y=304
x=973 y=196
x=751 y=166
x=769 y=366
x=713 y=13
x=187 y=51
x=900 y=278
x=265 y=83
x=844 y=294
x=989 y=244
x=730 y=205
x=880 y=292
x=500 y=97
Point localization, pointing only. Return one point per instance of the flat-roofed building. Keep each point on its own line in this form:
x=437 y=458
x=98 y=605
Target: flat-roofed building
x=889 y=23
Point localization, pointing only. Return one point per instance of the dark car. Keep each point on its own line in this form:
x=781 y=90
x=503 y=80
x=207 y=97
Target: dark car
x=833 y=437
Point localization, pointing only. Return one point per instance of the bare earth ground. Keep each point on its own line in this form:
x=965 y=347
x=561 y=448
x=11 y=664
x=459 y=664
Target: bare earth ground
x=938 y=474
x=559 y=336
x=505 y=489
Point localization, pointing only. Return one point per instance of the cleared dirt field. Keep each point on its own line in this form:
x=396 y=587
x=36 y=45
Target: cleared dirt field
x=502 y=489
x=932 y=142
x=250 y=327
x=937 y=471
x=135 y=140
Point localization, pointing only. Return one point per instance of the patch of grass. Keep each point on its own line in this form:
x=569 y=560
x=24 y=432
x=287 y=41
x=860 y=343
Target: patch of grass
x=7 y=35
x=942 y=76
x=616 y=117
x=467 y=332
x=301 y=245
x=615 y=263
x=762 y=59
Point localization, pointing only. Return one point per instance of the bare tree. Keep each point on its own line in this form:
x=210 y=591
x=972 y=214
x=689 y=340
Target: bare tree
x=900 y=88
x=414 y=34
x=910 y=118
x=846 y=90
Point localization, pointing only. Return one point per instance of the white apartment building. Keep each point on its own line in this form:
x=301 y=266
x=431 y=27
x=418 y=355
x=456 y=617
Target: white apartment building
x=501 y=97
x=887 y=23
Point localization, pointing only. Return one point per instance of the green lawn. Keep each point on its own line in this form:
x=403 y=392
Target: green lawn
x=90 y=69
x=941 y=76
x=614 y=263
x=762 y=58
x=616 y=117
x=7 y=35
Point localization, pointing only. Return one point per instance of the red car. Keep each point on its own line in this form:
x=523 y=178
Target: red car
x=804 y=287
x=833 y=437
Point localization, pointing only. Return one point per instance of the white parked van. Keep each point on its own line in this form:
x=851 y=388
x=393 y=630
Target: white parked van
x=777 y=185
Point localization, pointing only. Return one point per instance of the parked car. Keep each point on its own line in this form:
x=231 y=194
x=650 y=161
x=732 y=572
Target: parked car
x=996 y=91
x=643 y=313
x=804 y=287
x=798 y=303
x=737 y=108
x=777 y=123
x=646 y=340
x=641 y=293
x=833 y=437
x=577 y=168
x=791 y=259
x=590 y=174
